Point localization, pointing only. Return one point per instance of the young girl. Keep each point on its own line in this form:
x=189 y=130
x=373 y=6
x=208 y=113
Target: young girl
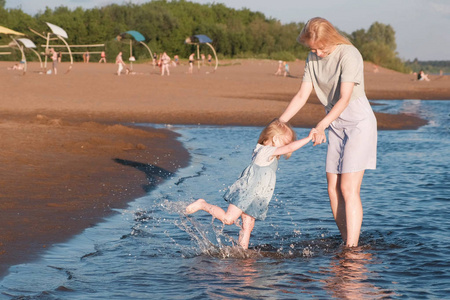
x=250 y=195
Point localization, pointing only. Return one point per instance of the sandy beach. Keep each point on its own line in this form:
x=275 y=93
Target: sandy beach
x=71 y=152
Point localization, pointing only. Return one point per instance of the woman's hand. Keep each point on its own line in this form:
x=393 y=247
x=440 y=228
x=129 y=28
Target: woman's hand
x=311 y=133
x=318 y=136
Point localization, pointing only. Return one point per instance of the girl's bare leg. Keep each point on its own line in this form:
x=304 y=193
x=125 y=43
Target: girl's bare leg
x=229 y=217
x=337 y=203
x=248 y=223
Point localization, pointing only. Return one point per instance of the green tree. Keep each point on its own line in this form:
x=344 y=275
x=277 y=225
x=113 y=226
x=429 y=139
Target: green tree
x=166 y=24
x=378 y=46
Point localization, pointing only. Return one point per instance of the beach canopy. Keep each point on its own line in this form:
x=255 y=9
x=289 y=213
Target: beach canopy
x=203 y=38
x=57 y=30
x=198 y=39
x=27 y=43
x=136 y=35
x=9 y=31
x=139 y=38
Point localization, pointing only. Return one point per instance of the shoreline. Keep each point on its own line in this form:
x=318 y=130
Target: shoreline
x=55 y=188
x=67 y=159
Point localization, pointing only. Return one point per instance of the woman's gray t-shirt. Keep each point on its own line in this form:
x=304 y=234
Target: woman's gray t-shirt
x=344 y=64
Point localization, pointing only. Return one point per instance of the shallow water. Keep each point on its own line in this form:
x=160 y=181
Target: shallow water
x=152 y=250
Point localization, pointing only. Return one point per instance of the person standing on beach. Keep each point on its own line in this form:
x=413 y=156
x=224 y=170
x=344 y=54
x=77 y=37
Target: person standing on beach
x=102 y=57
x=165 y=60
x=280 y=68
x=86 y=56
x=120 y=63
x=209 y=59
x=203 y=57
x=286 y=69
x=154 y=60
x=54 y=60
x=191 y=62
x=334 y=69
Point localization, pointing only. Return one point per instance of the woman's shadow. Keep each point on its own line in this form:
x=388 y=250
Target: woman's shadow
x=154 y=173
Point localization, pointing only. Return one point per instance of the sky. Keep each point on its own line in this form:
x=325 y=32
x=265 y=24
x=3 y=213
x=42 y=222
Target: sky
x=421 y=26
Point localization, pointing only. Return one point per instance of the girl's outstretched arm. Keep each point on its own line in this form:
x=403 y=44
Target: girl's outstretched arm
x=291 y=147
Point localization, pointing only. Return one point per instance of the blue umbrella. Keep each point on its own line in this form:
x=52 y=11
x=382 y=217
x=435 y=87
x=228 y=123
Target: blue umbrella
x=138 y=37
x=201 y=39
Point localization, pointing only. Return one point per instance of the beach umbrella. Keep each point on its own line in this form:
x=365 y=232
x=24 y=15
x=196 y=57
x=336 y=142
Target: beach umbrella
x=60 y=34
x=30 y=45
x=57 y=30
x=12 y=33
x=201 y=39
x=139 y=38
x=8 y=31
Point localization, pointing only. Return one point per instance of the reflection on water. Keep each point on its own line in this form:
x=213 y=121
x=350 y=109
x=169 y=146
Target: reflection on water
x=152 y=250
x=348 y=276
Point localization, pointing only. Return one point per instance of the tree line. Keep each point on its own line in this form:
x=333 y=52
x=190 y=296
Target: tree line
x=429 y=67
x=166 y=24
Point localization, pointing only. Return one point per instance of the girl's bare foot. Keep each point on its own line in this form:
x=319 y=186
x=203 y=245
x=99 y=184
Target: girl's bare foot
x=196 y=206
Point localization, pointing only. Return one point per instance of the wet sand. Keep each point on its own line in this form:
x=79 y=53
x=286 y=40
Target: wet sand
x=70 y=151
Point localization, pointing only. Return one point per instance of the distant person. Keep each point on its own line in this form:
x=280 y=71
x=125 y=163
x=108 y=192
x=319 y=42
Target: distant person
x=154 y=59
x=375 y=69
x=54 y=56
x=286 y=69
x=209 y=59
x=280 y=68
x=59 y=56
x=250 y=195
x=86 y=57
x=102 y=57
x=165 y=60
x=160 y=63
x=202 y=56
x=17 y=66
x=335 y=71
x=176 y=61
x=120 y=63
x=422 y=76
x=191 y=62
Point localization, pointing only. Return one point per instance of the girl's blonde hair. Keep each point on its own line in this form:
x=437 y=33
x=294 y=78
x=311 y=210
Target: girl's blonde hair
x=276 y=127
x=322 y=32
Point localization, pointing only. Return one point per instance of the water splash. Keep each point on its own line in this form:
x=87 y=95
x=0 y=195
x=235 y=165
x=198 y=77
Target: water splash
x=212 y=240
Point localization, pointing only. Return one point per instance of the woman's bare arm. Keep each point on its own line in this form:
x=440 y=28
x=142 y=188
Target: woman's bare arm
x=297 y=102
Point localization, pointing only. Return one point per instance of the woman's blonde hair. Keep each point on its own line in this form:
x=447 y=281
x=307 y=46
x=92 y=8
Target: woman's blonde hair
x=274 y=128
x=320 y=31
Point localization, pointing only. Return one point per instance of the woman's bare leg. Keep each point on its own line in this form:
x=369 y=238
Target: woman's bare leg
x=350 y=188
x=248 y=223
x=233 y=213
x=337 y=203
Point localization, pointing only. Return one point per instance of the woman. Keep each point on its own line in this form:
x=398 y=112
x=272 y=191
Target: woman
x=120 y=63
x=334 y=68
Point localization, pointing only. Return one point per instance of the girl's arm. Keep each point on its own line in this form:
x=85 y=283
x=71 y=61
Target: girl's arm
x=297 y=102
x=345 y=91
x=291 y=147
